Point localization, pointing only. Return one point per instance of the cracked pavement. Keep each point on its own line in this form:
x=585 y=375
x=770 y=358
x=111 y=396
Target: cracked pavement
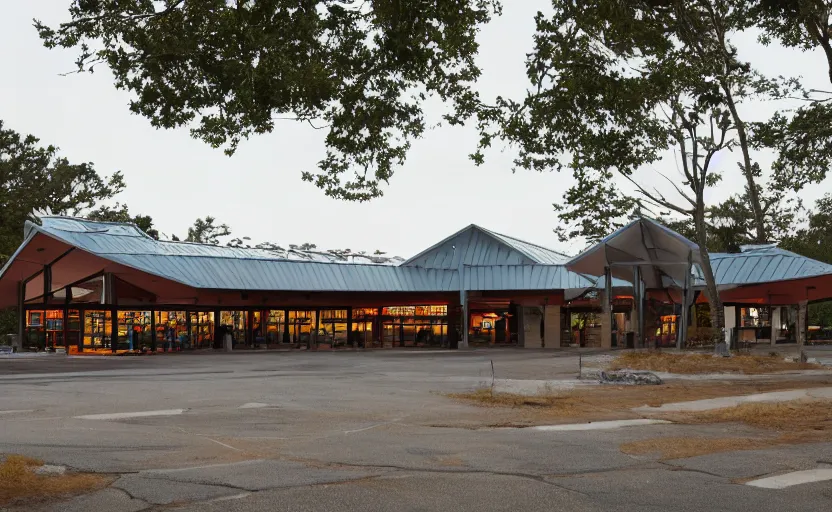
x=355 y=432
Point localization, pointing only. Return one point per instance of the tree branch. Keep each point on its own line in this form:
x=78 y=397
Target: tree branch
x=659 y=201
x=134 y=17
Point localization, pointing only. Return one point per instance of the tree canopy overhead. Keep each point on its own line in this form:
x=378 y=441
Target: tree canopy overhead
x=361 y=70
x=804 y=24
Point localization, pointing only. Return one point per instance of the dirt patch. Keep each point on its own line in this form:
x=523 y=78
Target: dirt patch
x=19 y=484
x=706 y=363
x=450 y=462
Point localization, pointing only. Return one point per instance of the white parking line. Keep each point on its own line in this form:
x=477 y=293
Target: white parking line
x=599 y=425
x=223 y=444
x=17 y=411
x=126 y=415
x=795 y=478
x=253 y=405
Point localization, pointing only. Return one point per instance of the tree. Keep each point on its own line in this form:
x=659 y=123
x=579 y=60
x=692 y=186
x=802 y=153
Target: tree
x=815 y=241
x=803 y=24
x=269 y=246
x=120 y=213
x=229 y=70
x=205 y=232
x=615 y=86
x=240 y=242
x=34 y=177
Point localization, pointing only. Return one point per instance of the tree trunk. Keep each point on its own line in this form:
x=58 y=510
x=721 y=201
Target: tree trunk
x=751 y=184
x=717 y=311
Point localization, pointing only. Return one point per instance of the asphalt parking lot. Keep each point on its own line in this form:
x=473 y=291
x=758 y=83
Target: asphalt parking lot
x=355 y=432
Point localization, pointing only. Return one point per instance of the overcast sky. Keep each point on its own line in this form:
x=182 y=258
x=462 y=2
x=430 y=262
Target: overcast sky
x=258 y=191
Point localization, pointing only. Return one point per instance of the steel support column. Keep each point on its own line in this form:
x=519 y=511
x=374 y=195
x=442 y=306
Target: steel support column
x=682 y=333
x=463 y=301
x=607 y=309
x=21 y=315
x=638 y=299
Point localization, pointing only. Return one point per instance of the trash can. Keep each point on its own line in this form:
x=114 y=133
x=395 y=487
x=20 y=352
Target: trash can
x=227 y=342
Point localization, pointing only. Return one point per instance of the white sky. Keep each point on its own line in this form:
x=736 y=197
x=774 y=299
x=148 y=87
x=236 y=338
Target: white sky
x=258 y=192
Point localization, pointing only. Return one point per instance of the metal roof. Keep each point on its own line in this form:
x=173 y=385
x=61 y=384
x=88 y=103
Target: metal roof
x=118 y=238
x=521 y=266
x=663 y=255
x=524 y=277
x=217 y=267
x=253 y=274
x=477 y=246
x=762 y=265
x=538 y=253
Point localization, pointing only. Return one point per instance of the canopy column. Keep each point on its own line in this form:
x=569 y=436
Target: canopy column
x=682 y=332
x=638 y=304
x=606 y=315
x=463 y=301
x=802 y=328
x=21 y=316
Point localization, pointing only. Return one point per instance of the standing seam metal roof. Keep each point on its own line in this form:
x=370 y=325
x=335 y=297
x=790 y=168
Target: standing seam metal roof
x=764 y=265
x=477 y=246
x=538 y=253
x=217 y=267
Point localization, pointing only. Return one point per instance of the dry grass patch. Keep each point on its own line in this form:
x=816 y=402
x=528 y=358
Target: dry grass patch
x=797 y=416
x=683 y=447
x=706 y=363
x=796 y=422
x=19 y=483
x=549 y=400
x=602 y=402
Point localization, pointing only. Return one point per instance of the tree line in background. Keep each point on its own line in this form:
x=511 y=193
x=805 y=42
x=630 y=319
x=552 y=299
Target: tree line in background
x=614 y=87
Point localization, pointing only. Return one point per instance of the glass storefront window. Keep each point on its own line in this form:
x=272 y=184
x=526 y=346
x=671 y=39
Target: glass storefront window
x=302 y=326
x=171 y=330
x=202 y=330
x=256 y=332
x=275 y=326
x=333 y=328
x=234 y=323
x=363 y=322
x=98 y=329
x=45 y=329
x=134 y=330
x=439 y=331
x=73 y=330
x=482 y=327
x=755 y=317
x=407 y=326
x=668 y=325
